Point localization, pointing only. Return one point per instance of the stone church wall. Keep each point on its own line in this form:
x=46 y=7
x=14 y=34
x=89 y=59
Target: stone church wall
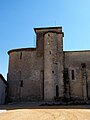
x=53 y=65
x=25 y=75
x=28 y=73
x=74 y=61
x=46 y=73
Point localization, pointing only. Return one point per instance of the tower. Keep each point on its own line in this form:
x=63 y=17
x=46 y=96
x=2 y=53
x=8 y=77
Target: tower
x=50 y=42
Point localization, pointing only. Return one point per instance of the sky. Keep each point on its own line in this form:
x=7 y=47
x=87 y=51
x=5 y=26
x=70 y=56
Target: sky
x=19 y=17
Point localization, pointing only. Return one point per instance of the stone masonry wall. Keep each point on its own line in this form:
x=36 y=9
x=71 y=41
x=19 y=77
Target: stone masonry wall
x=50 y=65
x=2 y=92
x=74 y=61
x=53 y=65
x=48 y=42
x=28 y=69
x=24 y=76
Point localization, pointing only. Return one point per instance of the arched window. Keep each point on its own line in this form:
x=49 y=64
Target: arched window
x=73 y=74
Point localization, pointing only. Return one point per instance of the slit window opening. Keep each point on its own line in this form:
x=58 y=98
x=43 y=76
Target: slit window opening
x=57 y=91
x=50 y=52
x=73 y=75
x=53 y=72
x=20 y=55
x=21 y=83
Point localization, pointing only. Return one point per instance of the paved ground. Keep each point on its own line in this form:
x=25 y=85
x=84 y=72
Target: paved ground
x=26 y=112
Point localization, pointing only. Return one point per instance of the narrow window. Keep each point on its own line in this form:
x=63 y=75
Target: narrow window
x=21 y=83
x=73 y=75
x=53 y=72
x=50 y=52
x=48 y=34
x=57 y=91
x=20 y=55
x=42 y=78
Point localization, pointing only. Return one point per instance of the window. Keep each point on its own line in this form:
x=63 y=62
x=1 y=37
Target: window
x=53 y=72
x=57 y=91
x=73 y=74
x=50 y=52
x=48 y=34
x=20 y=55
x=21 y=83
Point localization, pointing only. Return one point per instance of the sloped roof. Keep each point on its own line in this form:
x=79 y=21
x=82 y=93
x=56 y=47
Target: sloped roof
x=3 y=79
x=21 y=49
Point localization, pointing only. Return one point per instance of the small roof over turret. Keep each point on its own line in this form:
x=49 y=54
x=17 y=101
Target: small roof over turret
x=45 y=29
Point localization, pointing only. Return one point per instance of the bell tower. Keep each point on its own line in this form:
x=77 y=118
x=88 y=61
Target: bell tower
x=50 y=42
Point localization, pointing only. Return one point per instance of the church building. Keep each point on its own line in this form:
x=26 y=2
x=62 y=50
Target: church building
x=47 y=72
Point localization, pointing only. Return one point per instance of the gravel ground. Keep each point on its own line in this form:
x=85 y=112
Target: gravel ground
x=46 y=114
x=25 y=112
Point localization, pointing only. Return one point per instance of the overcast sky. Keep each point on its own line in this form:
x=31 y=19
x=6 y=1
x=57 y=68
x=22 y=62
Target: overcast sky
x=19 y=17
